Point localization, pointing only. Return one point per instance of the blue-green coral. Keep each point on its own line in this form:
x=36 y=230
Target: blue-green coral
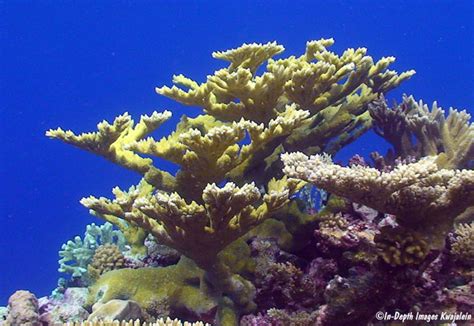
x=77 y=254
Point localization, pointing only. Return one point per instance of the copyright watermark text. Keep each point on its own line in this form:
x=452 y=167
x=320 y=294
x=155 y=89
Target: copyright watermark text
x=438 y=317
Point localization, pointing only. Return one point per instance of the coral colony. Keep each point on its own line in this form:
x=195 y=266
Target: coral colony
x=259 y=226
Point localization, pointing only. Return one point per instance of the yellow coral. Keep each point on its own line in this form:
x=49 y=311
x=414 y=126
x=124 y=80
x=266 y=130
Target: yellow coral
x=335 y=89
x=111 y=139
x=310 y=102
x=134 y=234
x=178 y=284
x=313 y=80
x=201 y=231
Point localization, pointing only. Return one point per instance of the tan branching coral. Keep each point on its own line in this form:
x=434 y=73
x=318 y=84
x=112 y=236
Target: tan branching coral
x=106 y=258
x=212 y=148
x=415 y=130
x=423 y=197
x=213 y=155
x=463 y=245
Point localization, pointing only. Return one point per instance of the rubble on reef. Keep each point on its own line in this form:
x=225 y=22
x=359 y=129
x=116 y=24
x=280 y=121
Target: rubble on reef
x=259 y=226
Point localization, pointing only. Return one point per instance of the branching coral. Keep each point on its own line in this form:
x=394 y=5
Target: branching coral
x=201 y=231
x=335 y=89
x=415 y=130
x=133 y=233
x=424 y=197
x=227 y=183
x=463 y=245
x=77 y=254
x=110 y=140
x=200 y=218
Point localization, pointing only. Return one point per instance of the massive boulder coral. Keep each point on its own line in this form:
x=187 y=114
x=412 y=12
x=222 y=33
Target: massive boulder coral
x=106 y=258
x=22 y=309
x=425 y=198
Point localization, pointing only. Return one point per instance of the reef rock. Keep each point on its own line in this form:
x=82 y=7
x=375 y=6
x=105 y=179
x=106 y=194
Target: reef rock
x=23 y=309
x=116 y=310
x=68 y=308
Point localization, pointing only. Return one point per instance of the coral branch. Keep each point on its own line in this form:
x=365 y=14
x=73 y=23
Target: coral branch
x=421 y=195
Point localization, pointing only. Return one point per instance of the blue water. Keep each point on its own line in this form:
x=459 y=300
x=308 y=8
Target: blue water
x=74 y=63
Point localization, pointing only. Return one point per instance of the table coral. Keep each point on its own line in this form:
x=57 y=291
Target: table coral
x=425 y=198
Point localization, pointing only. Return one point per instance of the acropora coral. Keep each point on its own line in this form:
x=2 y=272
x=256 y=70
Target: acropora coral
x=463 y=244
x=424 y=197
x=260 y=226
x=415 y=130
x=77 y=254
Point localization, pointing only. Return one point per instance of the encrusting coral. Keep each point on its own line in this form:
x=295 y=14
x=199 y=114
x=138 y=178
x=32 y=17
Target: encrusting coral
x=229 y=179
x=177 y=284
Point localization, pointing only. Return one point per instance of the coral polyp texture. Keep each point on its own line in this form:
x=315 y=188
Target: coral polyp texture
x=258 y=226
x=422 y=196
x=463 y=245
